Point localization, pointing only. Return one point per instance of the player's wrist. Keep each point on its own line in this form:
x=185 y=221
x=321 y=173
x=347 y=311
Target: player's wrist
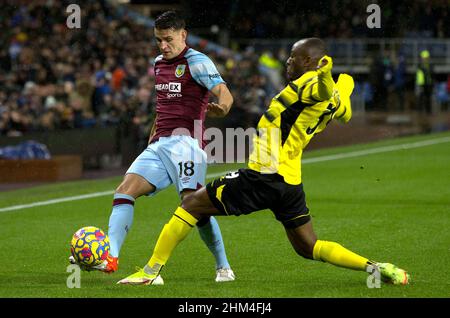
x=324 y=73
x=325 y=65
x=225 y=108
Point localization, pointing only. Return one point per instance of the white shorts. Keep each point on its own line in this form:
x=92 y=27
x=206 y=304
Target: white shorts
x=174 y=159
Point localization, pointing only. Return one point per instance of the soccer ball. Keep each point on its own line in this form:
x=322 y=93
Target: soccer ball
x=89 y=246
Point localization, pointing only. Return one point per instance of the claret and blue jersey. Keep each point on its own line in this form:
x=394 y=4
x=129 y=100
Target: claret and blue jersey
x=174 y=155
x=182 y=86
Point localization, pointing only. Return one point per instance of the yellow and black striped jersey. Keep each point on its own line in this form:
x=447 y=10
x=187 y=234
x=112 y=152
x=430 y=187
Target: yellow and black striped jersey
x=294 y=116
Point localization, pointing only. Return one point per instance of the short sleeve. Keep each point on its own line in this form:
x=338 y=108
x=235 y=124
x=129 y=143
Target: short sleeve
x=203 y=70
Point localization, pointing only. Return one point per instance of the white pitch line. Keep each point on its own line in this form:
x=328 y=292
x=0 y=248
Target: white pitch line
x=338 y=156
x=364 y=152
x=54 y=201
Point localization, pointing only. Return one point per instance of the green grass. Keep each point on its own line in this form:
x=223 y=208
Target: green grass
x=392 y=206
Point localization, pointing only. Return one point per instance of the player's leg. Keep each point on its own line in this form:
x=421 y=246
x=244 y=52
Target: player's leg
x=292 y=212
x=145 y=176
x=199 y=206
x=306 y=244
x=121 y=219
x=223 y=196
x=175 y=231
x=186 y=163
x=210 y=233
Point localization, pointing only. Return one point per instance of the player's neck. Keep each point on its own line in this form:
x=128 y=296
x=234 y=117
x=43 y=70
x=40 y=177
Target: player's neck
x=179 y=54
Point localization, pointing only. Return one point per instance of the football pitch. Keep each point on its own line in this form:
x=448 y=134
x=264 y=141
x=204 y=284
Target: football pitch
x=388 y=201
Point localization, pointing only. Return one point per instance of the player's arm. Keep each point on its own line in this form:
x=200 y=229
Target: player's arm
x=320 y=85
x=325 y=81
x=344 y=85
x=224 y=101
x=206 y=74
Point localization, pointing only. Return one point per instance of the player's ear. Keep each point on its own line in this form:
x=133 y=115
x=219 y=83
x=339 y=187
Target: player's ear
x=184 y=34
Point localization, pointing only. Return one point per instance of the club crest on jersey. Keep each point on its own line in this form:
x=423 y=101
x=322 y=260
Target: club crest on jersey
x=180 y=70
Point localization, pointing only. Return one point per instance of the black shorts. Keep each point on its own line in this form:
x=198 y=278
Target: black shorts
x=246 y=191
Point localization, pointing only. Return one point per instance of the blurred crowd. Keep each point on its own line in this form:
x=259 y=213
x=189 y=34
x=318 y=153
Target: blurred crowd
x=327 y=18
x=52 y=77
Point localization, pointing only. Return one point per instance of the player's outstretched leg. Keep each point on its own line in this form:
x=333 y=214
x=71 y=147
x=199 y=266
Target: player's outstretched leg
x=175 y=231
x=120 y=223
x=121 y=219
x=306 y=244
x=338 y=255
x=210 y=233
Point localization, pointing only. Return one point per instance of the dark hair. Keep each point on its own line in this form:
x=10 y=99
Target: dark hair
x=170 y=20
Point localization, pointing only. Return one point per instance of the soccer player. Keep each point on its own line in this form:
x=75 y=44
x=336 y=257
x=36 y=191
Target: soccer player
x=273 y=178
x=183 y=79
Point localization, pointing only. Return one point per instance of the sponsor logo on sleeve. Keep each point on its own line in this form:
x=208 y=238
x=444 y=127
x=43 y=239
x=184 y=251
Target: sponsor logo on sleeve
x=213 y=76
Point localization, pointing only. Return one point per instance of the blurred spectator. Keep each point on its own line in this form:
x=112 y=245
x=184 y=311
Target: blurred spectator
x=388 y=82
x=424 y=83
x=399 y=80
x=448 y=83
x=378 y=75
x=255 y=100
x=271 y=69
x=442 y=96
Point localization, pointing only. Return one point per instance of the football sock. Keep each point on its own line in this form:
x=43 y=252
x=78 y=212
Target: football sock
x=172 y=234
x=338 y=255
x=211 y=235
x=120 y=221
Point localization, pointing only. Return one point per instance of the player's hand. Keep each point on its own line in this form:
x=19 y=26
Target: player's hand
x=215 y=110
x=325 y=64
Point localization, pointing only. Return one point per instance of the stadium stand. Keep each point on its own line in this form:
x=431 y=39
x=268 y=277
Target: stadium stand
x=100 y=77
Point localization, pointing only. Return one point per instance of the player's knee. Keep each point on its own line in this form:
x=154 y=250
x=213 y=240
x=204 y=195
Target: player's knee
x=185 y=194
x=134 y=187
x=304 y=252
x=188 y=201
x=127 y=188
x=191 y=203
x=305 y=249
x=123 y=188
